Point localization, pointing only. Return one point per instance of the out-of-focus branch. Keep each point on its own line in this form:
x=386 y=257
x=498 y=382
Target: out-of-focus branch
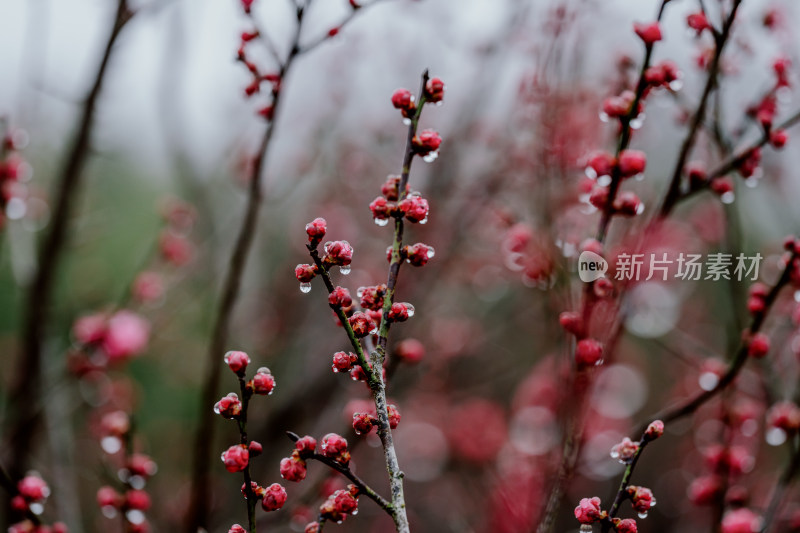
x=26 y=387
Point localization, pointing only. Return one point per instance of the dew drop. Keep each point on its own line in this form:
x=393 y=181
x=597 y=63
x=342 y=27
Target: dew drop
x=639 y=176
x=406 y=121
x=15 y=208
x=360 y=291
x=137 y=482
x=775 y=436
x=614 y=454
x=604 y=181
x=590 y=173
x=424 y=220
x=216 y=408
x=374 y=331
x=109 y=511
x=381 y=221
x=135 y=516
x=603 y=116
x=431 y=156
x=640 y=208
x=751 y=183
x=111 y=445
x=335 y=369
x=797 y=296
x=410 y=309
x=355 y=511
x=642 y=515
x=36 y=508
x=728 y=197
x=123 y=474
x=637 y=122
x=708 y=380
x=305 y=288
x=676 y=85
x=431 y=252
x=344 y=270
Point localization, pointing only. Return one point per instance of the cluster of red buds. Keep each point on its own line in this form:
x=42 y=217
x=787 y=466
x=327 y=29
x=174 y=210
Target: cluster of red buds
x=363 y=423
x=258 y=77
x=31 y=495
x=392 y=204
x=237 y=457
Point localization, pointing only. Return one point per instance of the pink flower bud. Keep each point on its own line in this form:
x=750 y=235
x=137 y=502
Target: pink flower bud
x=628 y=204
x=372 y=297
x=599 y=197
x=90 y=329
x=571 y=322
x=108 y=497
x=403 y=100
x=394 y=415
x=785 y=416
x=274 y=498
x=363 y=423
x=343 y=361
x=229 y=406
x=434 y=90
x=602 y=163
x=381 y=208
x=137 y=499
x=33 y=489
x=127 y=334
x=778 y=138
x=362 y=324
x=142 y=465
x=426 y=142
x=263 y=382
x=148 y=287
x=237 y=362
x=293 y=468
x=338 y=253
x=641 y=498
x=588 y=353
x=391 y=188
x=312 y=527
x=415 y=209
x=632 y=162
x=588 y=511
x=704 y=490
x=400 y=312
x=627 y=525
x=305 y=273
x=741 y=521
x=316 y=230
x=175 y=249
x=255 y=448
x=698 y=22
x=758 y=346
x=410 y=351
x=625 y=450
x=340 y=297
x=338 y=505
x=306 y=446
x=418 y=254
x=333 y=445
x=236 y=458
x=649 y=32
x=236 y=528
x=654 y=430
x=247 y=5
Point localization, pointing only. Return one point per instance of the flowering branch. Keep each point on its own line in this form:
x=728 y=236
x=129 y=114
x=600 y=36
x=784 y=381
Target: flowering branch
x=345 y=470
x=750 y=343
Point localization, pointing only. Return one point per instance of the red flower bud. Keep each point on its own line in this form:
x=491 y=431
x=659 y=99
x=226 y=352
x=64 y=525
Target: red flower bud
x=343 y=362
x=362 y=324
x=274 y=498
x=340 y=297
x=229 y=406
x=236 y=458
x=415 y=209
x=33 y=488
x=306 y=446
x=698 y=22
x=394 y=415
x=426 y=142
x=654 y=430
x=758 y=346
x=316 y=230
x=363 y=423
x=237 y=362
x=410 y=351
x=601 y=164
x=255 y=448
x=588 y=511
x=263 y=382
x=400 y=312
x=588 y=352
x=293 y=468
x=137 y=499
x=434 y=90
x=305 y=273
x=338 y=253
x=632 y=162
x=649 y=32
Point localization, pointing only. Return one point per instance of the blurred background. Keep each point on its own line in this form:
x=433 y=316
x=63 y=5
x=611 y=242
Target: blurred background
x=174 y=136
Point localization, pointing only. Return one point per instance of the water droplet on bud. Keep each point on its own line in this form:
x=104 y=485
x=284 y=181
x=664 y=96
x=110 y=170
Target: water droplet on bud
x=640 y=208
x=590 y=173
x=344 y=270
x=410 y=309
x=424 y=220
x=637 y=122
x=676 y=85
x=603 y=116
x=111 y=445
x=431 y=156
x=36 y=508
x=775 y=436
x=643 y=515
x=305 y=288
x=604 y=181
x=751 y=182
x=360 y=291
x=406 y=121
x=381 y=221
x=374 y=331
x=728 y=197
x=431 y=252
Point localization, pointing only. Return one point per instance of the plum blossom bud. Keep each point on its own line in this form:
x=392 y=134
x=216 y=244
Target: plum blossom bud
x=293 y=468
x=418 y=254
x=108 y=497
x=372 y=297
x=236 y=528
x=137 y=499
x=142 y=465
x=400 y=312
x=229 y=406
x=434 y=90
x=599 y=197
x=410 y=351
x=588 y=511
x=362 y=324
x=403 y=100
x=316 y=230
x=588 y=353
x=784 y=416
x=335 y=447
x=175 y=249
x=306 y=446
x=33 y=488
x=394 y=415
x=338 y=505
x=632 y=162
x=340 y=297
x=312 y=527
x=255 y=448
x=338 y=253
x=758 y=346
x=148 y=287
x=415 y=209
x=236 y=458
x=641 y=499
x=602 y=163
x=704 y=490
x=391 y=188
x=698 y=22
x=127 y=334
x=343 y=361
x=697 y=174
x=305 y=273
x=274 y=497
x=649 y=32
x=618 y=106
x=625 y=450
x=263 y=382
x=247 y=5
x=741 y=521
x=778 y=138
x=628 y=204
x=571 y=322
x=237 y=361
x=363 y=423
x=628 y=525
x=426 y=142
x=381 y=209
x=654 y=430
